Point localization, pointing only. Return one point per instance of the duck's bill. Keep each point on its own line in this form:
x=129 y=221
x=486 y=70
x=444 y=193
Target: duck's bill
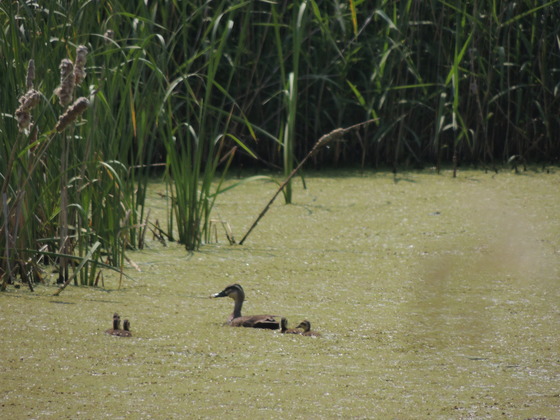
x=221 y=294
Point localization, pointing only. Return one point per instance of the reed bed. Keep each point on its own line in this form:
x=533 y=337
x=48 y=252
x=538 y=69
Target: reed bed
x=198 y=86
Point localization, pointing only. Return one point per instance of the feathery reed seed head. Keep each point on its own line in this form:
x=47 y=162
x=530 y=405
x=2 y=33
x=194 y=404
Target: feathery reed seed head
x=66 y=88
x=23 y=119
x=73 y=112
x=30 y=100
x=79 y=65
x=30 y=74
x=27 y=103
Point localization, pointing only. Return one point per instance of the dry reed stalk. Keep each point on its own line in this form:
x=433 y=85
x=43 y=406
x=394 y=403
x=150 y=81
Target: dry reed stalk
x=334 y=135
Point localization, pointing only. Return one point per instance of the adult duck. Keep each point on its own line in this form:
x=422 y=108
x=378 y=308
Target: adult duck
x=305 y=325
x=285 y=330
x=235 y=291
x=116 y=325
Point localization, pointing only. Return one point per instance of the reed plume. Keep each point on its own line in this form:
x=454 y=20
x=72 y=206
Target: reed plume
x=27 y=103
x=30 y=74
x=66 y=88
x=73 y=112
x=79 y=65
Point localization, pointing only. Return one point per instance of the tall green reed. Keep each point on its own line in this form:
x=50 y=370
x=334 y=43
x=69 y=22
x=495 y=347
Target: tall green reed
x=83 y=185
x=292 y=94
x=195 y=117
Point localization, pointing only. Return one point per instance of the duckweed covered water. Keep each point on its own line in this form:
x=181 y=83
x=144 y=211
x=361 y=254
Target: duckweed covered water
x=436 y=297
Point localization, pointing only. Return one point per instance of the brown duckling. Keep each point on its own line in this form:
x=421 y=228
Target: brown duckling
x=235 y=291
x=116 y=325
x=306 y=326
x=125 y=332
x=286 y=330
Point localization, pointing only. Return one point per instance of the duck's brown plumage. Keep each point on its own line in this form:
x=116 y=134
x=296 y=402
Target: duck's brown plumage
x=286 y=330
x=305 y=325
x=235 y=291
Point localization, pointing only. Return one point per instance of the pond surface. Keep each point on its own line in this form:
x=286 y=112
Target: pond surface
x=436 y=298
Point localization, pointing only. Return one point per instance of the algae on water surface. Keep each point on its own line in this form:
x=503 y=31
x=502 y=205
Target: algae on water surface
x=436 y=297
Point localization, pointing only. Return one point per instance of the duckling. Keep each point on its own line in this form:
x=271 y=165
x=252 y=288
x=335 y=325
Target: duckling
x=306 y=326
x=235 y=291
x=116 y=325
x=125 y=332
x=286 y=330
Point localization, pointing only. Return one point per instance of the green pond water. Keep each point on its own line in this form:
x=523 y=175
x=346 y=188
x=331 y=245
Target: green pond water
x=436 y=298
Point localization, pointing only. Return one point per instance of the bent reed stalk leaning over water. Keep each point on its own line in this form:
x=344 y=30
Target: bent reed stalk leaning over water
x=327 y=138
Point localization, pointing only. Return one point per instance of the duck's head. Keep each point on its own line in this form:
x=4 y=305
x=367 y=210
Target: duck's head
x=234 y=291
x=116 y=321
x=305 y=325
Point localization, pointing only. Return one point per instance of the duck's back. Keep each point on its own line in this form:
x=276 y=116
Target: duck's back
x=268 y=322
